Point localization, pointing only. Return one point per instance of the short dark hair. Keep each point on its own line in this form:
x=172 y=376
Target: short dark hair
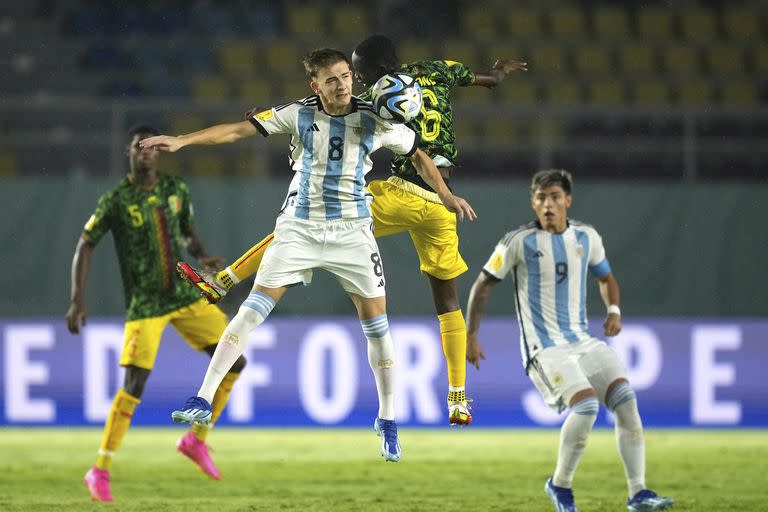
x=142 y=129
x=550 y=177
x=322 y=58
x=378 y=50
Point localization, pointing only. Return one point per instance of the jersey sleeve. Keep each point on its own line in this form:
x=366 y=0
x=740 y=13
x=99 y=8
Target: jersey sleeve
x=598 y=262
x=101 y=221
x=457 y=74
x=503 y=258
x=276 y=120
x=398 y=137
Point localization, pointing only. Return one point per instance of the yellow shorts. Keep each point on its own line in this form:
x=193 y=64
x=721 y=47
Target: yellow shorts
x=431 y=226
x=200 y=324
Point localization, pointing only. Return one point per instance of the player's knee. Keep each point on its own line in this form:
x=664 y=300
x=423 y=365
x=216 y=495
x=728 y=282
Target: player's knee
x=376 y=327
x=248 y=318
x=255 y=309
x=588 y=406
x=618 y=395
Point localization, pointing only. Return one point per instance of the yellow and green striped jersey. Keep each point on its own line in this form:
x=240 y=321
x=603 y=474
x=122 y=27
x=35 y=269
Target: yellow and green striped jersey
x=147 y=228
x=434 y=124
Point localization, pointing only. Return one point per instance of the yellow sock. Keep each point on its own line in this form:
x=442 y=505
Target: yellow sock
x=246 y=265
x=220 y=400
x=118 y=421
x=454 y=335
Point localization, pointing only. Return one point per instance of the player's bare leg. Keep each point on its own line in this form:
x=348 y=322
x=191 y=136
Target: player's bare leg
x=453 y=333
x=373 y=319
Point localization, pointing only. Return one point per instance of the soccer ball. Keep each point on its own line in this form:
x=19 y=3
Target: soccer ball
x=397 y=98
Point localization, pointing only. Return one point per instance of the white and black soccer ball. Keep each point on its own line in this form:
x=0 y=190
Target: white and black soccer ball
x=397 y=98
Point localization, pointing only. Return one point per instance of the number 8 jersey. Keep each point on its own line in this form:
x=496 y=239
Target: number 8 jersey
x=331 y=155
x=550 y=278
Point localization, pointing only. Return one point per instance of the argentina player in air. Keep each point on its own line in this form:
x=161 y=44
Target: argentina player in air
x=325 y=220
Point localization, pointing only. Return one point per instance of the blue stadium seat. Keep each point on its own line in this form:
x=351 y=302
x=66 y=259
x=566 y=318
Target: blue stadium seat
x=103 y=56
x=86 y=20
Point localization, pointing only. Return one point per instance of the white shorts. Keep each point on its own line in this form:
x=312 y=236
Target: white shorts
x=561 y=371
x=345 y=248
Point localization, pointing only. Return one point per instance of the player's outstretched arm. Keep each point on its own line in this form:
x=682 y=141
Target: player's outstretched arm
x=429 y=173
x=609 y=291
x=478 y=299
x=499 y=71
x=218 y=134
x=81 y=267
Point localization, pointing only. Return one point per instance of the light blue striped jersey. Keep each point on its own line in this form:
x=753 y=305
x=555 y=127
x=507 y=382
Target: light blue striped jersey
x=550 y=279
x=331 y=155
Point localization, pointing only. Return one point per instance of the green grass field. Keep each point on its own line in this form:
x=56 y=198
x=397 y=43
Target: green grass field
x=338 y=470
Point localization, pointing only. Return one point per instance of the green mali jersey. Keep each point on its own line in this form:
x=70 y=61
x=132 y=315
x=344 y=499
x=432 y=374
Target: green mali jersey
x=148 y=231
x=435 y=122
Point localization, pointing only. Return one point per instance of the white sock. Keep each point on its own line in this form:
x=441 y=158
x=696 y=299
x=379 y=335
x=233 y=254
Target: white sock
x=573 y=440
x=233 y=341
x=381 y=357
x=631 y=444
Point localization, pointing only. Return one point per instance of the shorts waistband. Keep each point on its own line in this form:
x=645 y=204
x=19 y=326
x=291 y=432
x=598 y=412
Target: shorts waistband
x=414 y=189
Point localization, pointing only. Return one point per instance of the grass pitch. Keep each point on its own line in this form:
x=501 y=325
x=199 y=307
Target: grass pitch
x=339 y=470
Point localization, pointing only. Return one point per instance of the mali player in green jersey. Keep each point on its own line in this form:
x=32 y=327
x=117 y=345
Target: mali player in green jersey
x=150 y=217
x=405 y=202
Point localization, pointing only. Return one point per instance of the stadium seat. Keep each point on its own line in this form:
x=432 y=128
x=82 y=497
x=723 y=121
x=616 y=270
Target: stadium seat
x=9 y=165
x=696 y=93
x=294 y=90
x=567 y=23
x=606 y=92
x=654 y=23
x=593 y=59
x=563 y=92
x=501 y=50
x=479 y=23
x=90 y=19
x=195 y=57
x=681 y=59
x=210 y=20
x=149 y=59
x=210 y=88
x=523 y=22
x=460 y=51
x=741 y=24
x=474 y=95
x=350 y=21
x=262 y=19
x=501 y=129
x=283 y=57
x=650 y=92
x=638 y=58
x=726 y=59
x=185 y=123
x=308 y=21
x=547 y=58
x=760 y=59
x=256 y=90
x=740 y=93
x=610 y=23
x=412 y=50
x=238 y=57
x=698 y=25
x=207 y=164
x=518 y=90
